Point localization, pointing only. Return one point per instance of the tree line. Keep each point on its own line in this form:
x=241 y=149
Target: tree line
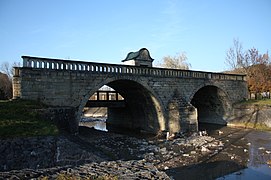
x=255 y=65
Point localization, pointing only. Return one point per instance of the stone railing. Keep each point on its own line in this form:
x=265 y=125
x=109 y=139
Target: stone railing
x=58 y=64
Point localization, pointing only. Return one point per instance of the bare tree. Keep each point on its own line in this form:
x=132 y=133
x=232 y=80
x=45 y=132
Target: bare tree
x=6 y=79
x=255 y=65
x=235 y=56
x=7 y=68
x=5 y=86
x=175 y=62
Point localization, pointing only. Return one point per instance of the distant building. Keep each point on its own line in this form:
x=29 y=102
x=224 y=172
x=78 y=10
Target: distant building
x=139 y=58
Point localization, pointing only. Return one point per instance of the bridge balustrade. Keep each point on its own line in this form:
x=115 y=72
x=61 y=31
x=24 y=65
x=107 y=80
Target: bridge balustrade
x=46 y=63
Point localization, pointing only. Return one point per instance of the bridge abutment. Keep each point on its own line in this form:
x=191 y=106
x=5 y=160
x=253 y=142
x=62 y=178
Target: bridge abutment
x=16 y=83
x=63 y=117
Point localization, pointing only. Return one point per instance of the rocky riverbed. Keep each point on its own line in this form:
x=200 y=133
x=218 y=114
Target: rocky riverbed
x=107 y=170
x=163 y=153
x=128 y=156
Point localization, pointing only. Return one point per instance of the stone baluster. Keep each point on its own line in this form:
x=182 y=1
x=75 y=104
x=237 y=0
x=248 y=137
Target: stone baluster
x=34 y=64
x=45 y=64
x=25 y=62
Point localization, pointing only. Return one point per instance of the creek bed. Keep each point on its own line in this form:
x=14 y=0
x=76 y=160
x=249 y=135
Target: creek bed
x=246 y=155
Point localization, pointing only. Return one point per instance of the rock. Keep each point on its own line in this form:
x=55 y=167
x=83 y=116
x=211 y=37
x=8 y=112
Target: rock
x=144 y=143
x=193 y=152
x=163 y=150
x=245 y=150
x=204 y=149
x=14 y=177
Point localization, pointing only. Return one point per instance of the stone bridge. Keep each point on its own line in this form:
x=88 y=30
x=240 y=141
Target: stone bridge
x=156 y=99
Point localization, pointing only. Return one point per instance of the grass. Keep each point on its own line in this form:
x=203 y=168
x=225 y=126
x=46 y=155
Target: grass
x=261 y=102
x=19 y=119
x=261 y=127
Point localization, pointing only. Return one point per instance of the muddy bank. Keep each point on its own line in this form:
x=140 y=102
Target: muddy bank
x=251 y=116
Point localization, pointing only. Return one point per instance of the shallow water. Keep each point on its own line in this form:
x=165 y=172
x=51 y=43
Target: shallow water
x=96 y=123
x=246 y=157
x=259 y=154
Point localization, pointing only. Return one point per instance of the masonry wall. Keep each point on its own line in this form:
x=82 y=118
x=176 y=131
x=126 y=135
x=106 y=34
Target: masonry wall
x=67 y=88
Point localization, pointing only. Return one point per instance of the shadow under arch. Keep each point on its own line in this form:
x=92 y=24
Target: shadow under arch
x=213 y=105
x=142 y=112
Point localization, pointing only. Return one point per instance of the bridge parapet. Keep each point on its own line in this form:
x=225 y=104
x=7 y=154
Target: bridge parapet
x=58 y=64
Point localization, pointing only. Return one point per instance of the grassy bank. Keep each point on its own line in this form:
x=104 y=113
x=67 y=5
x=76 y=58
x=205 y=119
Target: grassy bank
x=262 y=106
x=19 y=119
x=260 y=127
x=262 y=102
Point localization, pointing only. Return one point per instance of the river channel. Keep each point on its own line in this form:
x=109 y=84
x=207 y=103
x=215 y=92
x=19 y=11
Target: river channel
x=247 y=154
x=258 y=164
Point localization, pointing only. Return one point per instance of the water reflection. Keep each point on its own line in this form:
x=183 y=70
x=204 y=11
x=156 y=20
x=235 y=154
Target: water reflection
x=247 y=158
x=259 y=157
x=96 y=123
x=205 y=171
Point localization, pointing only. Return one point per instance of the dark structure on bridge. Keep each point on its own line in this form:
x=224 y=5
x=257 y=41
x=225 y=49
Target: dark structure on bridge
x=156 y=99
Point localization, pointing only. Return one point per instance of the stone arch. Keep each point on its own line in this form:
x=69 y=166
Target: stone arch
x=212 y=103
x=144 y=109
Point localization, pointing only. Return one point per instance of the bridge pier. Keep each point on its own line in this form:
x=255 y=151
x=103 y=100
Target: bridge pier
x=189 y=119
x=182 y=116
x=119 y=119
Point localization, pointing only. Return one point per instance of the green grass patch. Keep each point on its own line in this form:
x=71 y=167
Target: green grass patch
x=261 y=102
x=258 y=126
x=19 y=119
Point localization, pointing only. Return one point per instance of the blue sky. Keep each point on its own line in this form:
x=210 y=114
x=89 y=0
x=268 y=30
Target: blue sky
x=106 y=30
